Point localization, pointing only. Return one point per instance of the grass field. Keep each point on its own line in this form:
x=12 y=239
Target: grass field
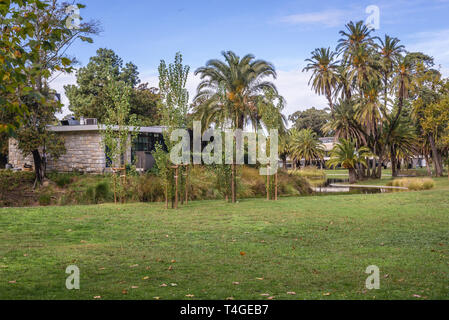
x=317 y=247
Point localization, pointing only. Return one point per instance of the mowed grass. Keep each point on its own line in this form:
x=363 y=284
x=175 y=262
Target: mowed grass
x=317 y=247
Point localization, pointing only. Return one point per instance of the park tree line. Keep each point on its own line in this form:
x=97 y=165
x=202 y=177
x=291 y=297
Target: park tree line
x=383 y=102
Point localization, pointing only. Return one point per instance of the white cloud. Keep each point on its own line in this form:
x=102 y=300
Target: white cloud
x=329 y=18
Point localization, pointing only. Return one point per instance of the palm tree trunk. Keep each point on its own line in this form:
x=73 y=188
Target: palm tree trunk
x=352 y=176
x=436 y=157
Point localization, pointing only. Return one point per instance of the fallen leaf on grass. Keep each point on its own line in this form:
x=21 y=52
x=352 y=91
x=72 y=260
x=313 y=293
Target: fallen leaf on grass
x=270 y=298
x=265 y=294
x=13 y=281
x=259 y=278
x=156 y=298
x=124 y=291
x=292 y=293
x=134 y=287
x=190 y=295
x=230 y=298
x=327 y=294
x=170 y=268
x=242 y=253
x=102 y=268
x=173 y=284
x=173 y=261
x=236 y=283
x=146 y=278
x=134 y=265
x=163 y=285
x=416 y=296
x=97 y=297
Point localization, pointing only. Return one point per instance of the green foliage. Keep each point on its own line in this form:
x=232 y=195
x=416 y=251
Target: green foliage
x=309 y=172
x=102 y=192
x=312 y=118
x=347 y=155
x=44 y=200
x=63 y=180
x=34 y=39
x=305 y=145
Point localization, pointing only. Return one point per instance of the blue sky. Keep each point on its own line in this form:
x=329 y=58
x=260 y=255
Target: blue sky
x=282 y=32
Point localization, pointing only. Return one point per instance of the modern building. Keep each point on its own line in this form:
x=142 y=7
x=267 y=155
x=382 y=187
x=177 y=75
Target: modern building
x=84 y=149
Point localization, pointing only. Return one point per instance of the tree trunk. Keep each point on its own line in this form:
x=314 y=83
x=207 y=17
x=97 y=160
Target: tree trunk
x=436 y=157
x=352 y=176
x=429 y=172
x=38 y=168
x=394 y=166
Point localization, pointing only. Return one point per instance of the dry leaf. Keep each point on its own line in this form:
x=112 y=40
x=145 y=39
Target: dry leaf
x=124 y=291
x=292 y=293
x=270 y=298
x=236 y=283
x=134 y=265
x=97 y=297
x=190 y=295
x=146 y=278
x=170 y=268
x=163 y=285
x=242 y=253
x=13 y=281
x=327 y=294
x=102 y=268
x=173 y=284
x=265 y=294
x=230 y=298
x=417 y=296
x=259 y=278
x=173 y=261
x=134 y=287
x=156 y=298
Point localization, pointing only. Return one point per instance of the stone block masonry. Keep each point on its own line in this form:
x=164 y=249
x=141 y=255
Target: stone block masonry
x=84 y=153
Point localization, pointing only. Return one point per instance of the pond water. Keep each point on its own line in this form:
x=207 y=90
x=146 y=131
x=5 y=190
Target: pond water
x=323 y=186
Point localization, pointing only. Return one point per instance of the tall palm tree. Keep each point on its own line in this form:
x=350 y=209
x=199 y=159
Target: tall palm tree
x=229 y=91
x=355 y=35
x=324 y=72
x=305 y=145
x=390 y=52
x=349 y=157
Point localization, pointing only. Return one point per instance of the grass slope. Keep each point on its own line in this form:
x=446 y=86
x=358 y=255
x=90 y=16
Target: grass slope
x=318 y=247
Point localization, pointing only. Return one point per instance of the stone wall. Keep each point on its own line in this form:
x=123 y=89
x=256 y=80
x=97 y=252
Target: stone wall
x=84 y=153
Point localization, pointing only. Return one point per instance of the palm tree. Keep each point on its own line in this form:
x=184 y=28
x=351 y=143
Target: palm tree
x=324 y=72
x=346 y=154
x=390 y=52
x=229 y=91
x=305 y=145
x=355 y=35
x=343 y=124
x=402 y=143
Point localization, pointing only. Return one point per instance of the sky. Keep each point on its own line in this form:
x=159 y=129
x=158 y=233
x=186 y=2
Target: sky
x=281 y=32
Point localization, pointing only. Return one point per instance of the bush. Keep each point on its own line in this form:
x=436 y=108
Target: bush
x=102 y=192
x=149 y=188
x=44 y=200
x=414 y=184
x=90 y=195
x=309 y=172
x=63 y=180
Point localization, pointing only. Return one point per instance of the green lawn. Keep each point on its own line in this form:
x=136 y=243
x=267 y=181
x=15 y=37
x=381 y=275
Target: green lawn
x=318 y=247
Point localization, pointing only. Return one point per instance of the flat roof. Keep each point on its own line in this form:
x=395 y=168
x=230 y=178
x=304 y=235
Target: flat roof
x=79 y=128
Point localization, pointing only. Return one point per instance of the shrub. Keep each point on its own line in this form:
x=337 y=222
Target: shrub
x=90 y=195
x=63 y=180
x=414 y=184
x=44 y=200
x=149 y=188
x=309 y=172
x=102 y=192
